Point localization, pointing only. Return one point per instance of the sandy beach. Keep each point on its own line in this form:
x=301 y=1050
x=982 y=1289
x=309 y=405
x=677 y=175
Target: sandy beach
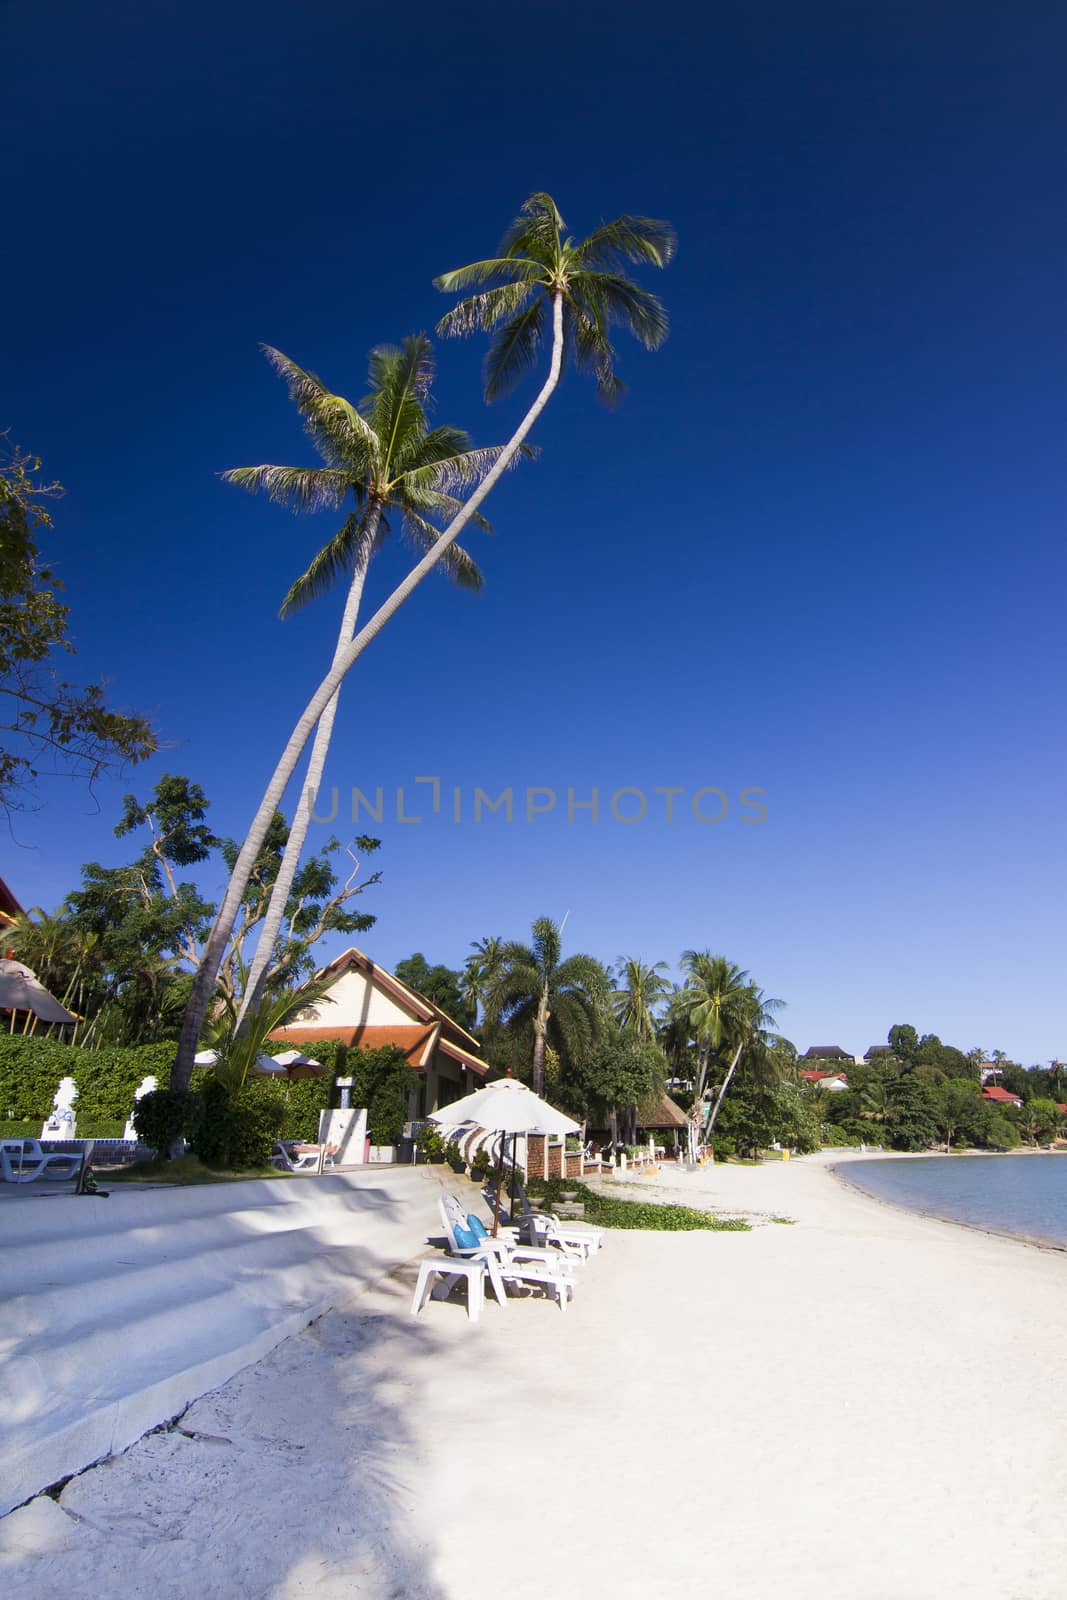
x=864 y=1403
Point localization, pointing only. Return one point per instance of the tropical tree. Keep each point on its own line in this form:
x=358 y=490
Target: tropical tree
x=42 y=717
x=750 y=1034
x=588 y=291
x=384 y=464
x=556 y=1001
x=712 y=1001
x=640 y=989
x=480 y=971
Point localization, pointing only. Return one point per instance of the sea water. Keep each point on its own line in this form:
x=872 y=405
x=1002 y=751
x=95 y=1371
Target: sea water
x=1026 y=1195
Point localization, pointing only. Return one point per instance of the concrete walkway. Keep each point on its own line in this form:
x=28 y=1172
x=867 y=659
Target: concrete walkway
x=116 y=1313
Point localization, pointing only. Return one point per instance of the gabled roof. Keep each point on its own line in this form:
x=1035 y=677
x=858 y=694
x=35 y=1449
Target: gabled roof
x=815 y=1076
x=826 y=1052
x=878 y=1050
x=1002 y=1097
x=423 y=1009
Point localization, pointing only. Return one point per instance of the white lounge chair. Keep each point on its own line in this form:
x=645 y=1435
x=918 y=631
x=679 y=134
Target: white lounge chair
x=303 y=1161
x=545 y=1227
x=23 y=1160
x=504 y=1259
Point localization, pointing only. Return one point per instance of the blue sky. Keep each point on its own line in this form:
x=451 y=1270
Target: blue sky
x=817 y=550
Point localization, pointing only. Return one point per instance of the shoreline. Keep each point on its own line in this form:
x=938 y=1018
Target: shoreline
x=1035 y=1241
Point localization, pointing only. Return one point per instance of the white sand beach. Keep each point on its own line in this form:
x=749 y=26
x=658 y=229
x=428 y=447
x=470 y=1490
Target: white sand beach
x=863 y=1404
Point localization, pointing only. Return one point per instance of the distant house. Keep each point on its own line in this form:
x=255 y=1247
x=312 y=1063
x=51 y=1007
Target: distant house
x=877 y=1053
x=826 y=1052
x=990 y=1069
x=1000 y=1097
x=367 y=1005
x=834 y=1081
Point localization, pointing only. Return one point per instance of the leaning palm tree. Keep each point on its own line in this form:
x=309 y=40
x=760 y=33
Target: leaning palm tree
x=558 y=1000
x=712 y=1002
x=640 y=989
x=383 y=464
x=749 y=1026
x=537 y=270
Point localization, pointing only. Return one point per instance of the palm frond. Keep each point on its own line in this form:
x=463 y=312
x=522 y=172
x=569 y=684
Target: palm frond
x=334 y=561
x=536 y=231
x=514 y=349
x=399 y=391
x=511 y=269
x=484 y=312
x=640 y=240
x=460 y=566
x=627 y=305
x=300 y=488
x=334 y=424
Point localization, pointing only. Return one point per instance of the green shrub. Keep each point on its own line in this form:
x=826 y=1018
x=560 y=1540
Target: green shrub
x=606 y=1212
x=432 y=1145
x=165 y=1116
x=238 y=1131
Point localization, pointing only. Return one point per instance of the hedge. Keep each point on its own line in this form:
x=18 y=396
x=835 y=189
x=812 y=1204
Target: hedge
x=30 y=1070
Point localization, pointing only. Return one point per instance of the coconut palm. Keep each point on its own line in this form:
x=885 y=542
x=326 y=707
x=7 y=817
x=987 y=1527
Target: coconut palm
x=557 y=999
x=712 y=1001
x=588 y=292
x=640 y=989
x=383 y=465
x=480 y=971
x=749 y=1031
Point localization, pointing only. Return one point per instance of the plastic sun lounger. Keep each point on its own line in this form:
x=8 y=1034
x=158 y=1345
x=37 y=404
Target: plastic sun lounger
x=507 y=1262
x=23 y=1160
x=580 y=1238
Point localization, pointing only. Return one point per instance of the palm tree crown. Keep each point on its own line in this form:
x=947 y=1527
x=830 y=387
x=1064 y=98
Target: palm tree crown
x=534 y=264
x=558 y=999
x=641 y=988
x=382 y=457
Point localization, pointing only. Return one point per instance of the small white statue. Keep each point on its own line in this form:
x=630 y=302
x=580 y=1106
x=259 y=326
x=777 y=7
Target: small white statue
x=147 y=1086
x=62 y=1123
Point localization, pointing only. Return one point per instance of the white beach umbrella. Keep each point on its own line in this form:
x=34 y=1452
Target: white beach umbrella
x=295 y=1064
x=20 y=990
x=264 y=1064
x=507 y=1107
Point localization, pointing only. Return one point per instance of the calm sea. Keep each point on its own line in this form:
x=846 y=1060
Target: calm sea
x=1019 y=1194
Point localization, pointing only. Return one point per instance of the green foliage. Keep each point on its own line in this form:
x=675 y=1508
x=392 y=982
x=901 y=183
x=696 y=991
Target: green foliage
x=619 y=1069
x=912 y=1120
x=47 y=718
x=432 y=1145
x=383 y=1081
x=606 y=1212
x=238 y=1130
x=30 y=1069
x=1001 y=1134
x=165 y=1116
x=120 y=950
x=440 y=984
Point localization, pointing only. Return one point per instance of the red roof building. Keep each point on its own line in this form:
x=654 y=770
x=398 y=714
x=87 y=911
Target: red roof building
x=1001 y=1097
x=366 y=1005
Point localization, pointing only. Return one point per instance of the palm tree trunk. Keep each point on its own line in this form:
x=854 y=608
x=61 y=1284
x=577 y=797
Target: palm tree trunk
x=203 y=984
x=722 y=1091
x=540 y=1031
x=279 y=897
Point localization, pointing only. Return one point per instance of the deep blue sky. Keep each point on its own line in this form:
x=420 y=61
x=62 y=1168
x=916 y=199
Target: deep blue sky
x=818 y=549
